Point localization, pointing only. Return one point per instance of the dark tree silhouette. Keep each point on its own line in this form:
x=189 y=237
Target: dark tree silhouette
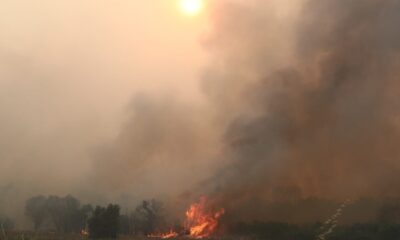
x=390 y=213
x=65 y=213
x=104 y=222
x=6 y=224
x=125 y=225
x=36 y=210
x=148 y=217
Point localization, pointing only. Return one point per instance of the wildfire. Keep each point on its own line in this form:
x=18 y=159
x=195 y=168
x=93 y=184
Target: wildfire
x=170 y=234
x=200 y=221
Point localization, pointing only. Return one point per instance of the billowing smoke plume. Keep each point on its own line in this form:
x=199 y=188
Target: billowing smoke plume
x=300 y=100
x=160 y=151
x=301 y=94
x=306 y=94
x=315 y=99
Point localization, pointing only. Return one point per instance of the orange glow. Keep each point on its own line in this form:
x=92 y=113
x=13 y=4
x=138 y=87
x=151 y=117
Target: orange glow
x=201 y=222
x=170 y=234
x=84 y=232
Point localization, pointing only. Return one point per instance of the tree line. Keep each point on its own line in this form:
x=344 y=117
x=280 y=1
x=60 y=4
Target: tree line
x=68 y=215
x=65 y=214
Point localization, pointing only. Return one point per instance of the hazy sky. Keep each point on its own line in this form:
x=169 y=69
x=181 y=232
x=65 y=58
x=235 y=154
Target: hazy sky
x=134 y=96
x=68 y=69
x=248 y=102
x=249 y=99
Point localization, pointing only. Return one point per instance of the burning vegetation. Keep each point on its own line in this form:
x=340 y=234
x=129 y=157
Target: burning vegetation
x=201 y=222
x=367 y=219
x=305 y=112
x=170 y=234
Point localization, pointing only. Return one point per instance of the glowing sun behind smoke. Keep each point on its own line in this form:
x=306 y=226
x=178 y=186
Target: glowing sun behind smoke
x=191 y=7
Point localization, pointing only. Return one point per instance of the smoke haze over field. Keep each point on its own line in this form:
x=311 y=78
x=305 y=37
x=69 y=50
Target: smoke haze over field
x=299 y=99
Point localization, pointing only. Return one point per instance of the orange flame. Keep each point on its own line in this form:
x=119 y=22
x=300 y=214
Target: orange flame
x=201 y=222
x=170 y=234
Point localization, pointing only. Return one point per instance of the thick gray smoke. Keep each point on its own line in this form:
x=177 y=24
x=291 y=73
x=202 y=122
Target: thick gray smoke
x=159 y=152
x=306 y=99
x=315 y=98
x=300 y=100
x=303 y=96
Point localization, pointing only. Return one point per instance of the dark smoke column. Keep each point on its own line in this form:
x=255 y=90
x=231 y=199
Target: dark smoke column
x=311 y=99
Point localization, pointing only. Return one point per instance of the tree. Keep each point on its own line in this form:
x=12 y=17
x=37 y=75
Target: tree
x=6 y=224
x=83 y=216
x=36 y=210
x=390 y=213
x=148 y=217
x=124 y=225
x=65 y=213
x=104 y=222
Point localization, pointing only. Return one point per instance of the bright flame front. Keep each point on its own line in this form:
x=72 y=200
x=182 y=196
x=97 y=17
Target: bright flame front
x=170 y=234
x=200 y=221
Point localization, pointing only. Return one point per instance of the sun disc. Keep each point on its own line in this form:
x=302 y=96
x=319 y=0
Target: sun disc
x=191 y=7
